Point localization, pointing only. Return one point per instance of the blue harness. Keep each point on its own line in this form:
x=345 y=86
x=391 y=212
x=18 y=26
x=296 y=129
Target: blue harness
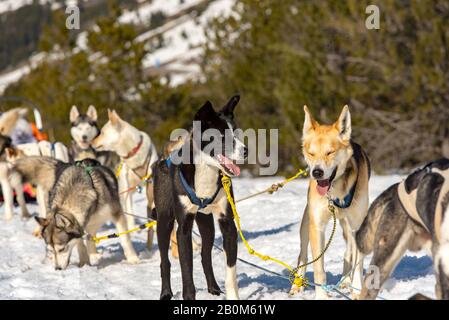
x=200 y=202
x=347 y=200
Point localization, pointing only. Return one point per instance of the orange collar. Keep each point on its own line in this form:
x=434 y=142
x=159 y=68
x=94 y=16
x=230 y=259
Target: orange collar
x=135 y=149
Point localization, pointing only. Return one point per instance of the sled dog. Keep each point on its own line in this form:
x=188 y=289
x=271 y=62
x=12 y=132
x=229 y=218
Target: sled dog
x=411 y=215
x=138 y=153
x=192 y=191
x=83 y=196
x=10 y=182
x=339 y=172
x=84 y=129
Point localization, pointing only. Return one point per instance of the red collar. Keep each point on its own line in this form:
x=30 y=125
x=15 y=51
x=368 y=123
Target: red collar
x=135 y=149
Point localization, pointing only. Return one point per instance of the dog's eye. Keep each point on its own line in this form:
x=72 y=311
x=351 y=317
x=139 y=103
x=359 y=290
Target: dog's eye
x=311 y=154
x=330 y=153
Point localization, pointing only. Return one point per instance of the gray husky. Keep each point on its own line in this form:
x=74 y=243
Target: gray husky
x=83 y=196
x=413 y=215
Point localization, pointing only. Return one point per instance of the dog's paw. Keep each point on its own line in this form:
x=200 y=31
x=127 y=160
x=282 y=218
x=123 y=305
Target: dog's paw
x=215 y=290
x=83 y=263
x=295 y=289
x=25 y=216
x=133 y=260
x=346 y=283
x=94 y=258
x=166 y=295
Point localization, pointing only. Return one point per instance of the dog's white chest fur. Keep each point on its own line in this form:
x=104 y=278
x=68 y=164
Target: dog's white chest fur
x=205 y=187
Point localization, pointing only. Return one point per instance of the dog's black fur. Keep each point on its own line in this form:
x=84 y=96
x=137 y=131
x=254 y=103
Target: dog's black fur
x=167 y=190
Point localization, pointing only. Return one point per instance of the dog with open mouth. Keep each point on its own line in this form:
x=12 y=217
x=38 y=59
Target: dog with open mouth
x=339 y=170
x=187 y=188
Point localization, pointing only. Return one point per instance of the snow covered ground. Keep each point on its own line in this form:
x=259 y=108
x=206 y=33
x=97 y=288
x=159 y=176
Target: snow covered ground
x=270 y=222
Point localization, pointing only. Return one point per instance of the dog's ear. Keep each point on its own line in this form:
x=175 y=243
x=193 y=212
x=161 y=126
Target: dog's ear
x=343 y=124
x=205 y=113
x=42 y=221
x=22 y=112
x=92 y=113
x=114 y=118
x=74 y=113
x=8 y=142
x=10 y=153
x=228 y=109
x=309 y=122
x=62 y=222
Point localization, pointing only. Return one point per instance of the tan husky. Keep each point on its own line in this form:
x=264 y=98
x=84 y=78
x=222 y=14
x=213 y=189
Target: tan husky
x=339 y=170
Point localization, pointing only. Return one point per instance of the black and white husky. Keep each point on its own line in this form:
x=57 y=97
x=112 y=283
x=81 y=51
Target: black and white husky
x=83 y=131
x=191 y=191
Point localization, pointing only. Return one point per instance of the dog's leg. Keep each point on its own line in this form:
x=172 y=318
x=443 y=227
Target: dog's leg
x=347 y=263
x=82 y=254
x=207 y=230
x=392 y=240
x=357 y=263
x=42 y=203
x=150 y=205
x=184 y=235
x=229 y=231
x=94 y=256
x=350 y=257
x=127 y=245
x=126 y=197
x=18 y=187
x=302 y=259
x=174 y=244
x=316 y=235
x=164 y=228
x=8 y=198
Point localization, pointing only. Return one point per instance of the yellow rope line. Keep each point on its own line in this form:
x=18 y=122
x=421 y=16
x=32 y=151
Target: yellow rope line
x=298 y=280
x=116 y=235
x=275 y=187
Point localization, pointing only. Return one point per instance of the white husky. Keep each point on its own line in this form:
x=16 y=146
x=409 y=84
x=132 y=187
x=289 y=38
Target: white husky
x=137 y=152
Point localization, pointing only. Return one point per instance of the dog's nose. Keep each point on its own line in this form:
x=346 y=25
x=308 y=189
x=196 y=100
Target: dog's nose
x=58 y=268
x=318 y=173
x=84 y=138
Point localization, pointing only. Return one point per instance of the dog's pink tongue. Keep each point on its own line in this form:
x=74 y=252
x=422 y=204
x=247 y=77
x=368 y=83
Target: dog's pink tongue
x=229 y=165
x=322 y=187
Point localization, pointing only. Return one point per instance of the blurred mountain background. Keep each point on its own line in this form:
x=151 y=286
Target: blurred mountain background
x=157 y=61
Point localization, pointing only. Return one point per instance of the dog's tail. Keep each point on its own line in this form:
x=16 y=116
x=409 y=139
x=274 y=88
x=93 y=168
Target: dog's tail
x=36 y=170
x=365 y=235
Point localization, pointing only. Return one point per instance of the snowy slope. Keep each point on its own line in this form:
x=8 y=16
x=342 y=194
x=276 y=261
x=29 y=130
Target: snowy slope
x=183 y=37
x=270 y=222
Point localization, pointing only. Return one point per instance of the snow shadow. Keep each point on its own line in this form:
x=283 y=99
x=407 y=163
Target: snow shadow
x=411 y=267
x=270 y=282
x=256 y=234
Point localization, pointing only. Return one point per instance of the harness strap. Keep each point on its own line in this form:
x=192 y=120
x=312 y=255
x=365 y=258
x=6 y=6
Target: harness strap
x=347 y=200
x=53 y=150
x=200 y=202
